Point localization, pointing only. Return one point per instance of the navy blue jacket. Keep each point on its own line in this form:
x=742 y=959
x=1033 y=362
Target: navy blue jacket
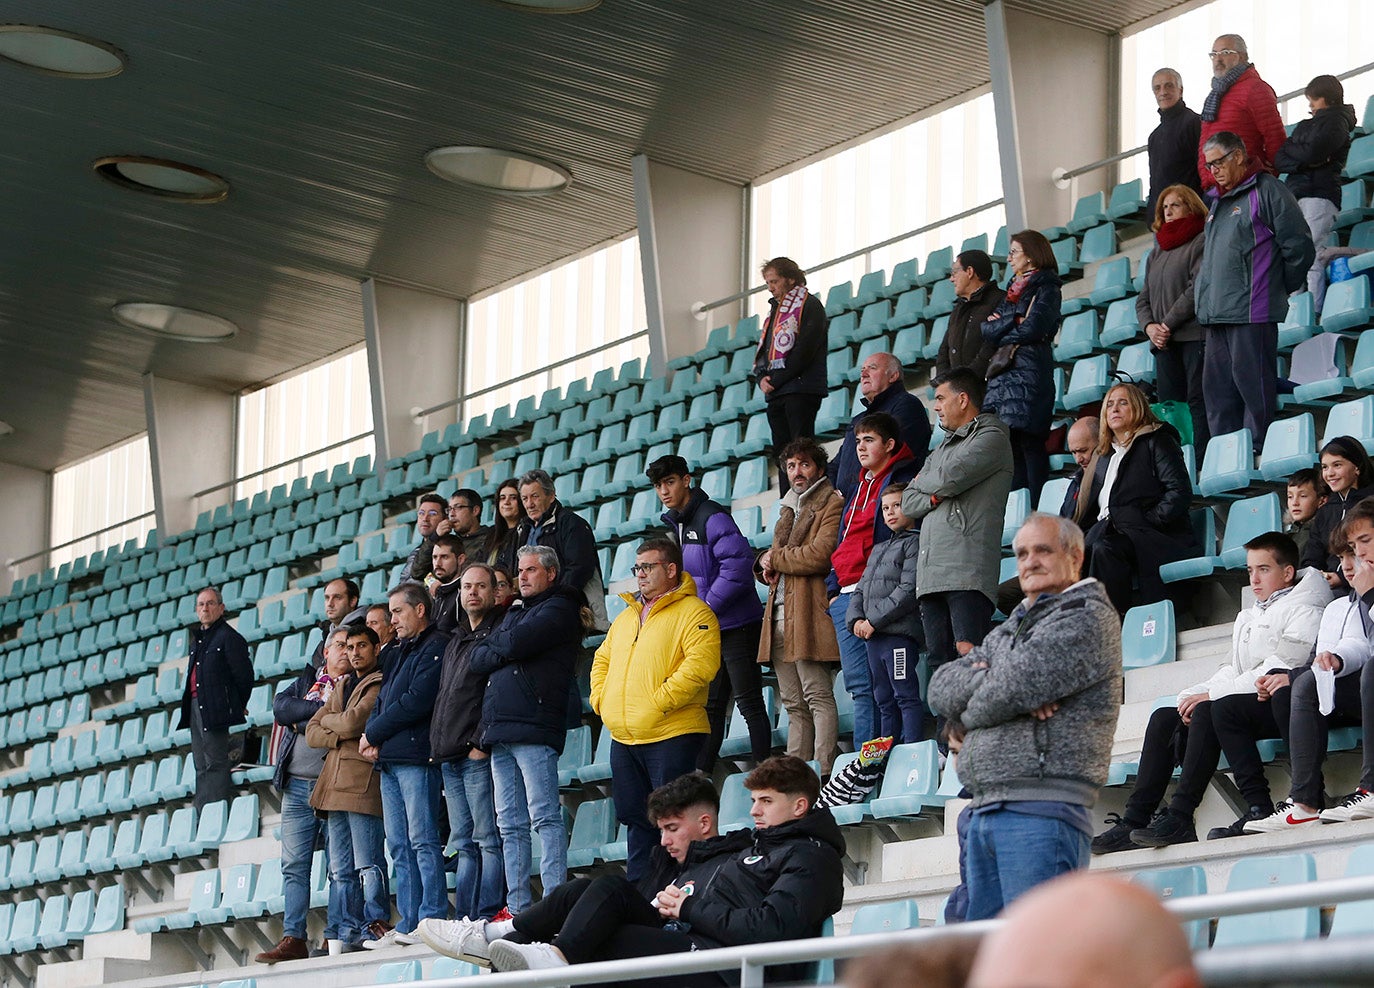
x=719 y=557
x=913 y=429
x=528 y=661
x=1022 y=396
x=224 y=677
x=399 y=724
x=293 y=711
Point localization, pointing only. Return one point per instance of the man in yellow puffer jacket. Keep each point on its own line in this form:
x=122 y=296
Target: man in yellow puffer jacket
x=650 y=681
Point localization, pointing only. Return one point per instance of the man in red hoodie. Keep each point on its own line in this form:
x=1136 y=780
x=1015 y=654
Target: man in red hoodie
x=1241 y=102
x=883 y=459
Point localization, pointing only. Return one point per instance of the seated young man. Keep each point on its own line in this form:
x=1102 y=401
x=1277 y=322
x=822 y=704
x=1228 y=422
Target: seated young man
x=779 y=882
x=1270 y=637
x=1343 y=648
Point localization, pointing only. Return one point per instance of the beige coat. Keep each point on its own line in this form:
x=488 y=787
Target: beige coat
x=348 y=782
x=807 y=532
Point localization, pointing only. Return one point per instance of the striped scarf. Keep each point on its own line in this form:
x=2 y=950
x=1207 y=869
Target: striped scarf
x=1219 y=86
x=783 y=331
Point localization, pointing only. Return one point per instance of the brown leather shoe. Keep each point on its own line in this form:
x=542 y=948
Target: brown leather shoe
x=290 y=949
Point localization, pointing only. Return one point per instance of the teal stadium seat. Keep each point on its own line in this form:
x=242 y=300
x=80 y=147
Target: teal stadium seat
x=593 y=826
x=1278 y=926
x=1290 y=444
x=904 y=276
x=1356 y=918
x=1360 y=160
x=871 y=287
x=1181 y=882
x=1347 y=307
x=942 y=299
x=577 y=751
x=1088 y=211
x=909 y=781
x=839 y=299
x=1205 y=532
x=1148 y=635
x=1077 y=337
x=938 y=329
x=1018 y=507
x=1127 y=200
x=1089 y=381
x=1099 y=243
x=885 y=917
x=1112 y=282
x=399 y=972
x=448 y=967
x=1120 y=324
x=1246 y=520
x=1351 y=418
x=910 y=306
x=1227 y=465
x=939 y=262
x=1137 y=363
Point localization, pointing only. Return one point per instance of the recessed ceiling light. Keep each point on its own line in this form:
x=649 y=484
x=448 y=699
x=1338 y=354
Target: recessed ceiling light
x=162 y=177
x=174 y=322
x=60 y=53
x=508 y=172
x=553 y=6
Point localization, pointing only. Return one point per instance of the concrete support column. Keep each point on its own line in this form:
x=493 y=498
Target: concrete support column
x=191 y=433
x=415 y=347
x=25 y=519
x=691 y=246
x=1056 y=93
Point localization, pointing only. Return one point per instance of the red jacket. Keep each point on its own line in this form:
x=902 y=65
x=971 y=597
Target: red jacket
x=1250 y=111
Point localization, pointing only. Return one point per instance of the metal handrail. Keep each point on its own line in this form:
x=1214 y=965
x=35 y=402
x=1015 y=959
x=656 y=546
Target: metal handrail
x=699 y=309
x=284 y=463
x=1348 y=958
x=80 y=538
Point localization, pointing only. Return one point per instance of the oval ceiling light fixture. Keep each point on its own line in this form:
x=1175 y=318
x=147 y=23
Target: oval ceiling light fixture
x=161 y=177
x=508 y=172
x=552 y=6
x=60 y=53
x=174 y=322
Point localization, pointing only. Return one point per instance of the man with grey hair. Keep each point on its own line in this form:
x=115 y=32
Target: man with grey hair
x=397 y=739
x=1241 y=103
x=1256 y=251
x=528 y=662
x=1057 y=659
x=219 y=678
x=1173 y=144
x=881 y=389
x=568 y=535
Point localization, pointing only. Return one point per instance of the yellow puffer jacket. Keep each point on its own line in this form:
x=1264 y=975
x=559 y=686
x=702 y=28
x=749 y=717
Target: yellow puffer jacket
x=650 y=680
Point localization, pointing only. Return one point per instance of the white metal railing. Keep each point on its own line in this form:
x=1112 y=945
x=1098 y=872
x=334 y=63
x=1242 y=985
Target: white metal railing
x=1339 y=961
x=1067 y=178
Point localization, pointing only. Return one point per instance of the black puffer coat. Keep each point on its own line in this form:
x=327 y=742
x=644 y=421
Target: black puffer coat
x=1022 y=396
x=1314 y=154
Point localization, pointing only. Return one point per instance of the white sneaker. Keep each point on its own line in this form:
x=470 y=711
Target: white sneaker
x=1286 y=816
x=508 y=956
x=392 y=938
x=1359 y=805
x=464 y=939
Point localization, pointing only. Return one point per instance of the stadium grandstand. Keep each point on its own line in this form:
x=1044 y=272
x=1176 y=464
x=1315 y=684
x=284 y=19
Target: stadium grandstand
x=273 y=271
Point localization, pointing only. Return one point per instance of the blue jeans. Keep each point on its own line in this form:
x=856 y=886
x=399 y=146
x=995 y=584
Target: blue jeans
x=636 y=771
x=525 y=777
x=300 y=829
x=357 y=871
x=481 y=880
x=410 y=813
x=854 y=662
x=1009 y=853
x=892 y=665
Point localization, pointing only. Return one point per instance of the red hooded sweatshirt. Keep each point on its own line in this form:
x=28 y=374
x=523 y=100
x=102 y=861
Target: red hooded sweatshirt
x=856 y=527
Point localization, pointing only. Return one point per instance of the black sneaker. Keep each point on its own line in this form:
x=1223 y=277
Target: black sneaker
x=1166 y=828
x=1116 y=838
x=1237 y=829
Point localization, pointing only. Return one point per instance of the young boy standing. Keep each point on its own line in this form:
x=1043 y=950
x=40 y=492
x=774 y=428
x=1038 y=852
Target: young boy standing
x=1306 y=493
x=885 y=613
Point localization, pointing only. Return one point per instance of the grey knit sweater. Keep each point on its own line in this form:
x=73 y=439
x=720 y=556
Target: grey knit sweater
x=1065 y=648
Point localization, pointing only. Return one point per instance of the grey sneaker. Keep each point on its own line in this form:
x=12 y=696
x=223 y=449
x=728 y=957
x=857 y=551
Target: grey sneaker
x=508 y=956
x=464 y=939
x=1359 y=805
x=392 y=938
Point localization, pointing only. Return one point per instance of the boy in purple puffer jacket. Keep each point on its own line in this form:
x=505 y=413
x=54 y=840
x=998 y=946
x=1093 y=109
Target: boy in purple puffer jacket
x=721 y=562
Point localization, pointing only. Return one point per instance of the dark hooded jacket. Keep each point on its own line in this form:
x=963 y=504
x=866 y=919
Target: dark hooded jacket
x=456 y=725
x=1314 y=154
x=399 y=725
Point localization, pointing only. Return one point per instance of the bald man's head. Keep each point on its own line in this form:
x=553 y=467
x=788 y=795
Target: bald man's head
x=1086 y=930
x=1082 y=438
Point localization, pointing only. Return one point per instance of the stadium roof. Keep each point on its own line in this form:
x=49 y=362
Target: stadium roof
x=319 y=113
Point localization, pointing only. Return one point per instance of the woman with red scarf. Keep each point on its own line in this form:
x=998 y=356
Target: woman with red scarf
x=789 y=364
x=1164 y=306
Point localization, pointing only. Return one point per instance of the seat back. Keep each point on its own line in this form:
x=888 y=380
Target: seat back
x=1168 y=883
x=912 y=770
x=886 y=917
x=1356 y=918
x=1148 y=635
x=1277 y=925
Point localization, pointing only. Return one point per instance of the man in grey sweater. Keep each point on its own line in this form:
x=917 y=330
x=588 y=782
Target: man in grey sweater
x=1039 y=702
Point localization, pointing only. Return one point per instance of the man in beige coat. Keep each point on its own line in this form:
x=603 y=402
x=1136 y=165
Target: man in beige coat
x=349 y=793
x=798 y=637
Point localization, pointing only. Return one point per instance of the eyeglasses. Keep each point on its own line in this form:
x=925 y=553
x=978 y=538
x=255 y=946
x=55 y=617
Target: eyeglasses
x=1216 y=163
x=642 y=569
x=1223 y=51
x=1014 y=249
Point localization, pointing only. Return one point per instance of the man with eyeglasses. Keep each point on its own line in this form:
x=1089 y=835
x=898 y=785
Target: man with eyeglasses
x=430 y=512
x=1256 y=251
x=1242 y=103
x=650 y=681
x=465 y=521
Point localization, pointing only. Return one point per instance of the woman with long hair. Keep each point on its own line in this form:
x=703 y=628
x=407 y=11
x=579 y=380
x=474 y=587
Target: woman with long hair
x=1349 y=477
x=1134 y=508
x=509 y=514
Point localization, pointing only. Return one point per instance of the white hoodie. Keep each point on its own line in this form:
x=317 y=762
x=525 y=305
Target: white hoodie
x=1274 y=634
x=1345 y=631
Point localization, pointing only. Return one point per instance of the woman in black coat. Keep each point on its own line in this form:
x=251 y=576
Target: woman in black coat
x=1135 y=511
x=1021 y=388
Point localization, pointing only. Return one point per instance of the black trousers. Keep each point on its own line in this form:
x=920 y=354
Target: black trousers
x=1110 y=558
x=1307 y=729
x=791 y=418
x=1169 y=743
x=740 y=676
x=1178 y=373
x=1242 y=719
x=1030 y=464
x=604 y=919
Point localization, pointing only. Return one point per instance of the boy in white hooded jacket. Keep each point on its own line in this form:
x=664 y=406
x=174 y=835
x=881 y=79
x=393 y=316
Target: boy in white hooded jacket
x=1271 y=637
x=1343 y=650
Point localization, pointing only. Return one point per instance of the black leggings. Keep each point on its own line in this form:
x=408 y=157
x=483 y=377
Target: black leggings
x=741 y=676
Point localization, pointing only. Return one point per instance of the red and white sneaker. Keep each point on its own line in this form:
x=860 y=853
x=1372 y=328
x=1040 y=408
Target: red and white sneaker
x=1286 y=816
x=1359 y=805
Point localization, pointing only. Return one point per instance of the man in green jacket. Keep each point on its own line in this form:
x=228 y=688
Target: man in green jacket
x=1256 y=252
x=960 y=495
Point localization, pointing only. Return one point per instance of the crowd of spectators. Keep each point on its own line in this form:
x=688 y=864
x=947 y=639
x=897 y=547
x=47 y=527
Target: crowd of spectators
x=452 y=703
